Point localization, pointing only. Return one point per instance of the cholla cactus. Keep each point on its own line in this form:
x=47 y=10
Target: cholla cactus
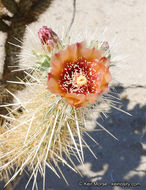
x=64 y=84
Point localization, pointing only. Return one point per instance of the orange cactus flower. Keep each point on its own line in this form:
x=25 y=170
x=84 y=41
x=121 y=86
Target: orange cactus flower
x=79 y=74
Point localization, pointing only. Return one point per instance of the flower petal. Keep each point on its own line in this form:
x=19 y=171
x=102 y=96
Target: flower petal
x=53 y=86
x=91 y=54
x=76 y=100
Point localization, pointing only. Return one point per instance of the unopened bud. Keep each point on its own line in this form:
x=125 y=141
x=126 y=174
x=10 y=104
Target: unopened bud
x=48 y=38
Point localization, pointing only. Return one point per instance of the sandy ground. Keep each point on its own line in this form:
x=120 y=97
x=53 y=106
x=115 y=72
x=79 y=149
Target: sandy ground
x=124 y=26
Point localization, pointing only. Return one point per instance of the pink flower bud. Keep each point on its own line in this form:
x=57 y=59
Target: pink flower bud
x=48 y=38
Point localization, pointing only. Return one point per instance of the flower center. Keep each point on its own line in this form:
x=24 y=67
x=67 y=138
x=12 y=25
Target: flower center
x=79 y=80
x=79 y=77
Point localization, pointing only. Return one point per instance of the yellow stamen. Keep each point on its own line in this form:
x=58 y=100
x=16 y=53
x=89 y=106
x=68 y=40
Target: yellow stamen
x=81 y=80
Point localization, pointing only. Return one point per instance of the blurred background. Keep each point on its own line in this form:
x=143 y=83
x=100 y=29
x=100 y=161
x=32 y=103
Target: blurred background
x=123 y=24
